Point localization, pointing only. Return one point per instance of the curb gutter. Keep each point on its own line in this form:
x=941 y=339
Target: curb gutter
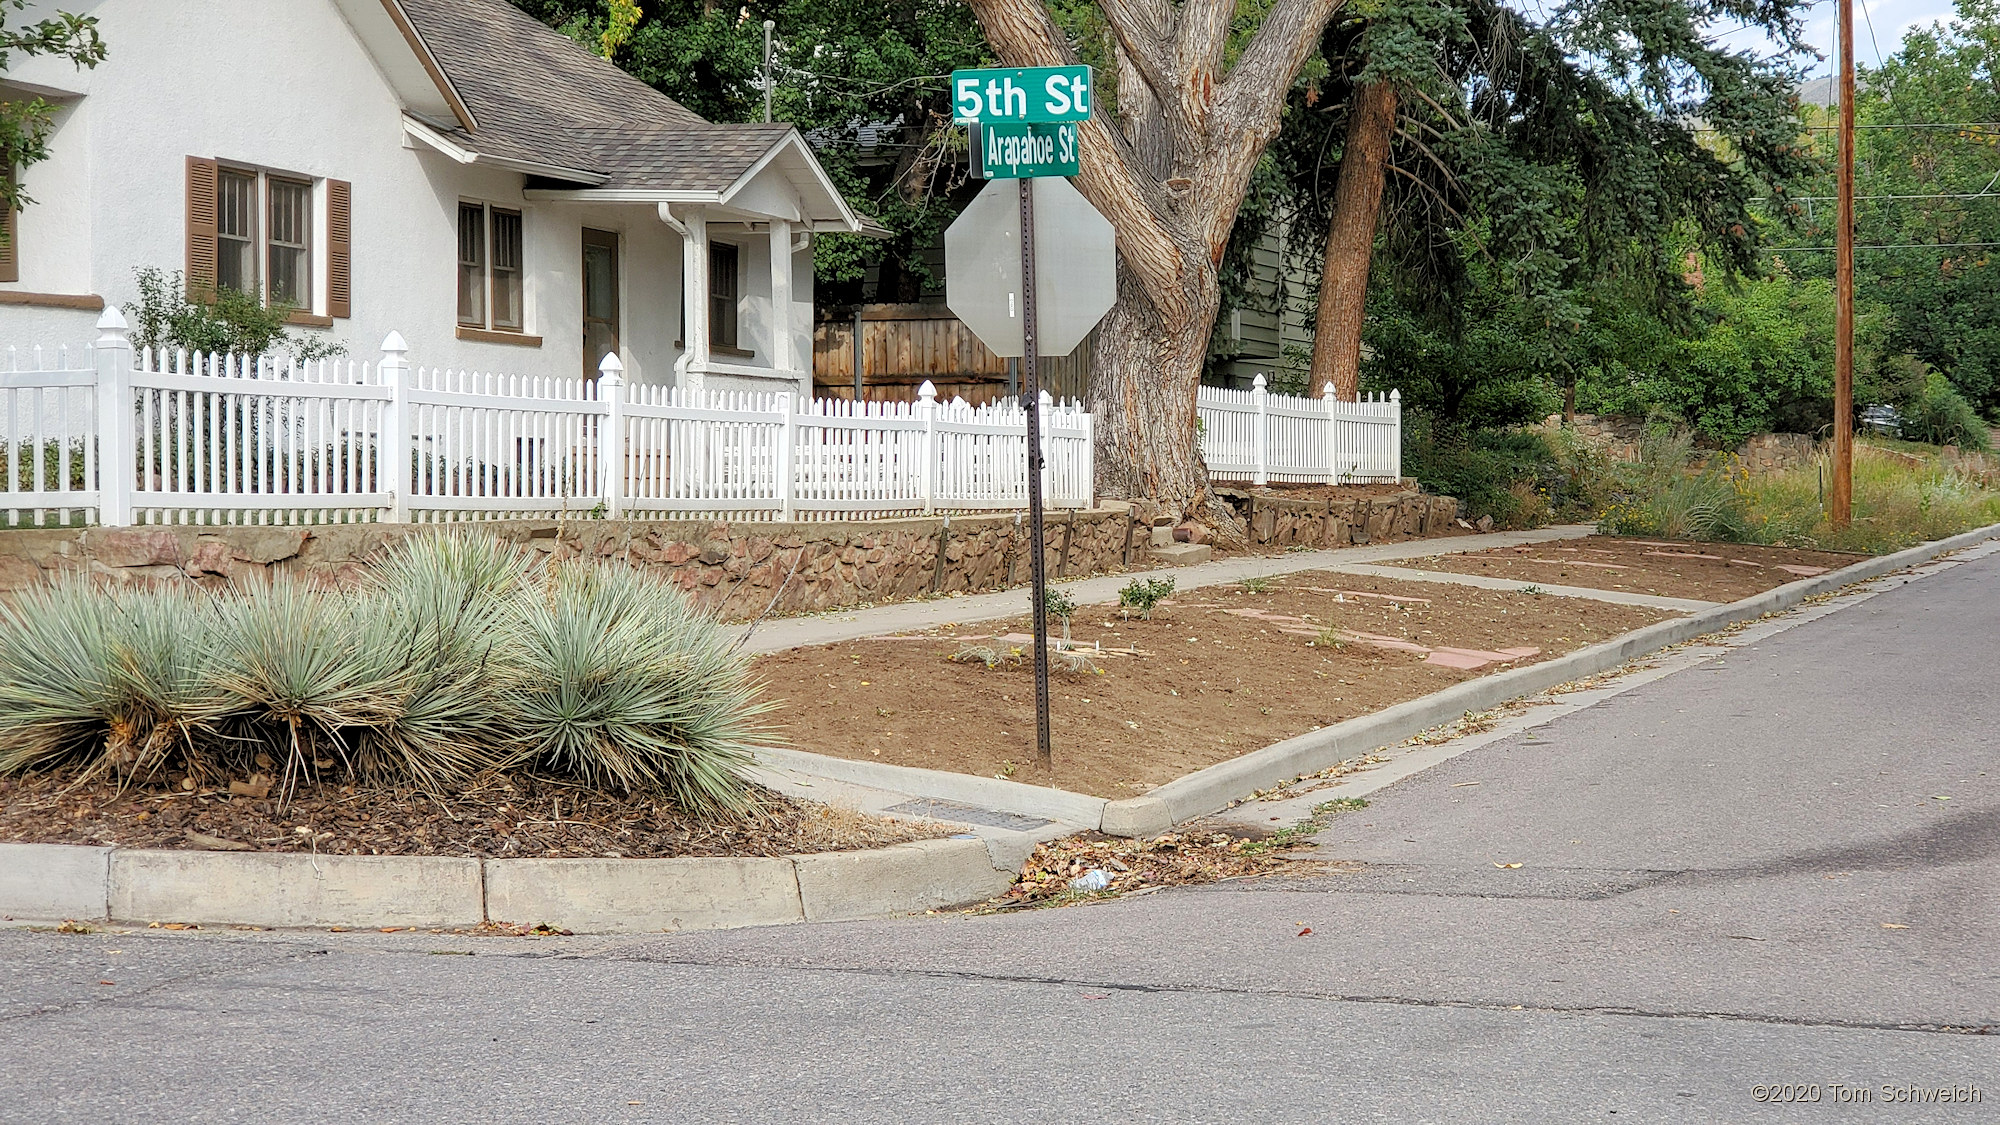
x=601 y=896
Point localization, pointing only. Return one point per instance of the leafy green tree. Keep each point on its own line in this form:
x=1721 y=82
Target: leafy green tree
x=1557 y=169
x=25 y=125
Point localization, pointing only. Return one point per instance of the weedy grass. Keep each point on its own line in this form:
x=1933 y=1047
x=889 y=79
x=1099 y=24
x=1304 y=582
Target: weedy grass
x=1902 y=496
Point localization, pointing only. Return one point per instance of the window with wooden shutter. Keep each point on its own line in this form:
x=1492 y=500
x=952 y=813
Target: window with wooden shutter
x=201 y=206
x=10 y=257
x=339 y=268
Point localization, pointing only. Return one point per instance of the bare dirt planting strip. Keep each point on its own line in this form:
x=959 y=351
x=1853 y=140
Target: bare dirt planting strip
x=1712 y=572
x=791 y=632
x=1215 y=673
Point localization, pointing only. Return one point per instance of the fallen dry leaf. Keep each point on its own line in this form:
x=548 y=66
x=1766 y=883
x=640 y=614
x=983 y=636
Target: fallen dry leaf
x=1508 y=866
x=1894 y=926
x=1305 y=931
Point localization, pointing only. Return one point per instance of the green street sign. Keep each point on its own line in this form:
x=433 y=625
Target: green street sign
x=1020 y=94
x=1019 y=152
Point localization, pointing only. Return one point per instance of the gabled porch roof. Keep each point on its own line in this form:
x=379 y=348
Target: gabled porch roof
x=485 y=83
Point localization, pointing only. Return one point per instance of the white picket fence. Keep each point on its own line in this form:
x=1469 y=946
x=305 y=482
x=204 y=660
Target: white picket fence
x=1264 y=438
x=119 y=439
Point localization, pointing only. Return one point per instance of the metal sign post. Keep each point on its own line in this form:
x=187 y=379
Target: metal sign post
x=1025 y=129
x=1031 y=400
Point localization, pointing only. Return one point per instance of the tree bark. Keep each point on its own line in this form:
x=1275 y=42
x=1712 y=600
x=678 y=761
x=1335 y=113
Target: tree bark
x=1170 y=173
x=1350 y=241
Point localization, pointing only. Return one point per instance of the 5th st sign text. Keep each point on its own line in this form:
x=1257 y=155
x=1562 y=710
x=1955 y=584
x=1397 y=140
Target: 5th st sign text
x=1035 y=93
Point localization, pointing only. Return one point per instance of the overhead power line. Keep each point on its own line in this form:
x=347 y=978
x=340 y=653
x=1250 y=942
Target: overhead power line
x=1896 y=246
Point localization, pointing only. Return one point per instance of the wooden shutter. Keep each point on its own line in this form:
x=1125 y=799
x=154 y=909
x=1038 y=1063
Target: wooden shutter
x=10 y=257
x=339 y=261
x=201 y=229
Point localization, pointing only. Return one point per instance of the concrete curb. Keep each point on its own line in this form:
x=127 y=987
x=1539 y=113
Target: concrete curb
x=47 y=882
x=1213 y=789
x=996 y=793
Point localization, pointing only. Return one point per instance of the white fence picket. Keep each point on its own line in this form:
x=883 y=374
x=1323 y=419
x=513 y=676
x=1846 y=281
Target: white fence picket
x=172 y=437
x=48 y=446
x=1252 y=435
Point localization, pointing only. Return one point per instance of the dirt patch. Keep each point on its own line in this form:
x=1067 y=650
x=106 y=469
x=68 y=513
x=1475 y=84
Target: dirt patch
x=514 y=817
x=1711 y=572
x=1215 y=673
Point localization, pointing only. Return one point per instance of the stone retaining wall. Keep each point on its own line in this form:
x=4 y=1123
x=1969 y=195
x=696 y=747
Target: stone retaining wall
x=1277 y=521
x=737 y=568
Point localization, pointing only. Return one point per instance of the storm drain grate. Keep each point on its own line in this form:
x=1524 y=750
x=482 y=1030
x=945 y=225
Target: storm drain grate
x=968 y=814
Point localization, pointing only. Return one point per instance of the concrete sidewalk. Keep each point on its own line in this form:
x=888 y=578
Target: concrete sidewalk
x=829 y=628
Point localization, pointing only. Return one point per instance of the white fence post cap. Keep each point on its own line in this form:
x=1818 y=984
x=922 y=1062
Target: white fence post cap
x=1257 y=384
x=612 y=367
x=394 y=342
x=1329 y=392
x=928 y=391
x=1395 y=396
x=112 y=320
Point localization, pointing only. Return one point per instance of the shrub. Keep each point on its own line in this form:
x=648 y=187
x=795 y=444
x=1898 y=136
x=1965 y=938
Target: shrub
x=119 y=681
x=438 y=605
x=1143 y=594
x=445 y=663
x=1520 y=478
x=1939 y=415
x=1660 y=494
x=618 y=680
x=230 y=321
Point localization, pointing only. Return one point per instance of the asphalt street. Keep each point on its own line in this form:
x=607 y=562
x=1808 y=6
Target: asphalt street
x=1778 y=868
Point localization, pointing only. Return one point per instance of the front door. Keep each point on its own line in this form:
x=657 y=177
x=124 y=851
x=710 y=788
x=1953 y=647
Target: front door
x=600 y=298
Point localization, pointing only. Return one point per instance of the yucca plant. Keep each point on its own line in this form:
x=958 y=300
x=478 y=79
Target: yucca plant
x=301 y=674
x=437 y=606
x=117 y=680
x=617 y=680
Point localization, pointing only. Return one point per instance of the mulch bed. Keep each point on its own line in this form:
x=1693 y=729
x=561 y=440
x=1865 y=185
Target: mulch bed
x=506 y=817
x=1712 y=572
x=1216 y=673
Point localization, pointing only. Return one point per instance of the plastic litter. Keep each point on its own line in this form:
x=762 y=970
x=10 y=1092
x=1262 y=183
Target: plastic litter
x=1095 y=879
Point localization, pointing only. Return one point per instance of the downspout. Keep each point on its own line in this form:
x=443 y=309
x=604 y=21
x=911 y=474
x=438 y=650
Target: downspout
x=687 y=298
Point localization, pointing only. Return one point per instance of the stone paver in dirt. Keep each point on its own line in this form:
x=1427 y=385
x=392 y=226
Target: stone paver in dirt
x=1715 y=572
x=1215 y=673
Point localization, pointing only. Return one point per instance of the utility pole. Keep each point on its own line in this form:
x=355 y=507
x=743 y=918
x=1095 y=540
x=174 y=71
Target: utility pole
x=1840 y=497
x=768 y=25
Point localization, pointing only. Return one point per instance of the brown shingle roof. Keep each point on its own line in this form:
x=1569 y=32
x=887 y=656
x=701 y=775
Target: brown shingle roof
x=538 y=96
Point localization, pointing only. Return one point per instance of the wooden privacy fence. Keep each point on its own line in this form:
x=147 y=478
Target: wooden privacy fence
x=905 y=346
x=1264 y=438
x=168 y=437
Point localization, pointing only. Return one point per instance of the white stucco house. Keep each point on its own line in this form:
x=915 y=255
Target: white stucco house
x=448 y=169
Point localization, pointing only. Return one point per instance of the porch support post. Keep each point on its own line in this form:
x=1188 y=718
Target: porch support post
x=784 y=353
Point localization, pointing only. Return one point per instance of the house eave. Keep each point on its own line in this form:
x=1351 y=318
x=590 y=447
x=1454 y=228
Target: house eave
x=432 y=138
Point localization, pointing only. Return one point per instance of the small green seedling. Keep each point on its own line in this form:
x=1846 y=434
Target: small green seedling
x=1062 y=607
x=1329 y=637
x=1536 y=590
x=1256 y=585
x=1143 y=594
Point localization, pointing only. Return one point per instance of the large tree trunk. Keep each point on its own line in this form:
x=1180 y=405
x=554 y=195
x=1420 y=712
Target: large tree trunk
x=1145 y=427
x=1350 y=240
x=1170 y=174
